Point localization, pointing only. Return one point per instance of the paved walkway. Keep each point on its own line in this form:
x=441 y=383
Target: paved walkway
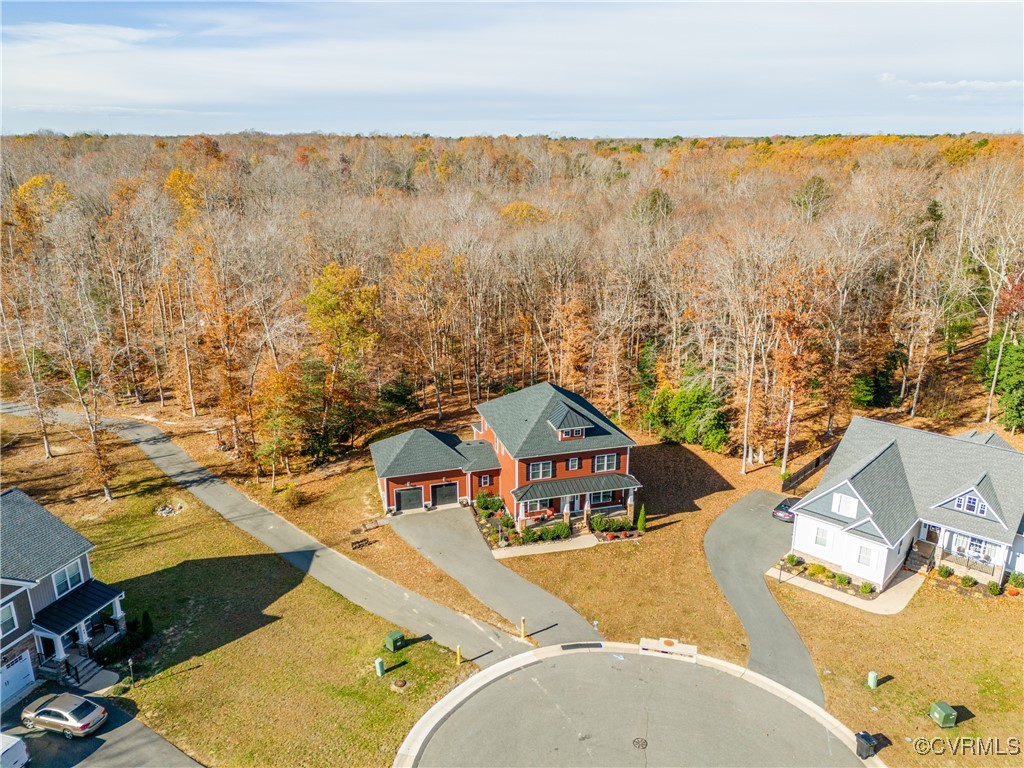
x=609 y=705
x=741 y=545
x=480 y=643
x=890 y=602
x=450 y=539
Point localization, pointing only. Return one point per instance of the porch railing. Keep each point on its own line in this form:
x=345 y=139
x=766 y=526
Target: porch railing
x=964 y=559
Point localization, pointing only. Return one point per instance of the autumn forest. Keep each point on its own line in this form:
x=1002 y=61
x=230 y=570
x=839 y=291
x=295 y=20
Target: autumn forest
x=306 y=291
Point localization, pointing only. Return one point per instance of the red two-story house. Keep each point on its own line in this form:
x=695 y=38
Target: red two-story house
x=546 y=451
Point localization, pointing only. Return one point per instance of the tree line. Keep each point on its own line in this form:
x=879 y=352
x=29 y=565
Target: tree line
x=309 y=289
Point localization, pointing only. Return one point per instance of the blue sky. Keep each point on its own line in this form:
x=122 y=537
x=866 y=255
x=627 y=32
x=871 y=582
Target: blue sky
x=576 y=69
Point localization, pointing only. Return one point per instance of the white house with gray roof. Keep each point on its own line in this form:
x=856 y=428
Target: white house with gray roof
x=891 y=492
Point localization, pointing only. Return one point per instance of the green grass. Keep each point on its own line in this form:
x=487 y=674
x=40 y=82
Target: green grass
x=256 y=665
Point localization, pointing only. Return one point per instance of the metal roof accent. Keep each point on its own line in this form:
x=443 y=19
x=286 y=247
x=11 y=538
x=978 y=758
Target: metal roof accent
x=76 y=606
x=574 y=486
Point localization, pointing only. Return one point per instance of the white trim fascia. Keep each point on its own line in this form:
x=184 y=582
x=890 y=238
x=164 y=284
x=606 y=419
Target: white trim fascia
x=808 y=499
x=23 y=583
x=973 y=490
x=945 y=527
x=874 y=525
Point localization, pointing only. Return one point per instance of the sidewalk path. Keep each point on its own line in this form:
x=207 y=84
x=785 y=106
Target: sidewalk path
x=741 y=545
x=480 y=643
x=451 y=540
x=890 y=602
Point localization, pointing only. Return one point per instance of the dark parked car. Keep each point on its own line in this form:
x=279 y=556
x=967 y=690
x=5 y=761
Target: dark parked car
x=783 y=511
x=64 y=713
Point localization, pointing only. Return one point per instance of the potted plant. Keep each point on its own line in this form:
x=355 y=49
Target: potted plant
x=611 y=536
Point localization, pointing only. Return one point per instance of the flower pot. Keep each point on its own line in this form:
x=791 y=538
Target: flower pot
x=611 y=537
x=1012 y=591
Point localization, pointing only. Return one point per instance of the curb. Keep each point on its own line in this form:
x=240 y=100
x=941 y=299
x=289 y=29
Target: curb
x=412 y=747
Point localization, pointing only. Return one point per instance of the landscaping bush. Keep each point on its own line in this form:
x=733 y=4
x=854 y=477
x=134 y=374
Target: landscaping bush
x=1016 y=580
x=515 y=538
x=792 y=560
x=945 y=571
x=599 y=523
x=994 y=589
x=968 y=581
x=147 y=625
x=292 y=496
x=530 y=536
x=866 y=588
x=842 y=580
x=641 y=521
x=562 y=530
x=815 y=570
x=487 y=502
x=506 y=521
x=547 y=533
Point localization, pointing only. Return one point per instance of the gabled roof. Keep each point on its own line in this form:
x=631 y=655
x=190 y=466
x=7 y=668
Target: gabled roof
x=523 y=422
x=985 y=438
x=901 y=474
x=981 y=487
x=34 y=542
x=419 y=451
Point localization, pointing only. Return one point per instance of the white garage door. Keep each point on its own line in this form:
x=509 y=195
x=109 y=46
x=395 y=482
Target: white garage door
x=17 y=674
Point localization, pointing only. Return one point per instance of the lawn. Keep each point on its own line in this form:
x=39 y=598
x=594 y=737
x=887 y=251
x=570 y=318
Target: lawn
x=942 y=647
x=660 y=586
x=256 y=664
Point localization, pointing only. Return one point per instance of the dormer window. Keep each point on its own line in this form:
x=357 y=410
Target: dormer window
x=577 y=433
x=566 y=434
x=569 y=434
x=971 y=504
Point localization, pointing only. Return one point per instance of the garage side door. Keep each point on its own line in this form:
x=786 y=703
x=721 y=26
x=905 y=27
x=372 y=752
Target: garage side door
x=409 y=499
x=444 y=494
x=16 y=675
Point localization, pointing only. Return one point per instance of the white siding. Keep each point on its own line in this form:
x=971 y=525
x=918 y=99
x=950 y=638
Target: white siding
x=850 y=560
x=805 y=532
x=896 y=555
x=1016 y=561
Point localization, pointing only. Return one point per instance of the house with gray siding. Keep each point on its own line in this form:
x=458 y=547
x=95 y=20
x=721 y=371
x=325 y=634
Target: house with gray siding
x=891 y=493
x=53 y=613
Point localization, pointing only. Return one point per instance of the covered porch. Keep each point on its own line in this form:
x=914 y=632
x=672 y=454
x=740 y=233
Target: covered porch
x=967 y=555
x=78 y=623
x=573 y=499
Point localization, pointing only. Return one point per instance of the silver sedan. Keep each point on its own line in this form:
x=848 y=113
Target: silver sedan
x=64 y=713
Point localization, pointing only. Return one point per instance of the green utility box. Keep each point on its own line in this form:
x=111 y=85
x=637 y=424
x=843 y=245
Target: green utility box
x=394 y=641
x=943 y=714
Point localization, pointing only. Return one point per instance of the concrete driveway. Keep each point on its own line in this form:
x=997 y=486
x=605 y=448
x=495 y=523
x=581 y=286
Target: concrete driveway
x=741 y=545
x=450 y=539
x=122 y=742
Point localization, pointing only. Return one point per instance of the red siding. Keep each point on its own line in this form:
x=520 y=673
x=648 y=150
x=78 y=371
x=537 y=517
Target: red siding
x=586 y=464
x=424 y=481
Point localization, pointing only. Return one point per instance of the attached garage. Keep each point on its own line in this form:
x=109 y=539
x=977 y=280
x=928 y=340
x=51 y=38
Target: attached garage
x=17 y=674
x=446 y=493
x=408 y=499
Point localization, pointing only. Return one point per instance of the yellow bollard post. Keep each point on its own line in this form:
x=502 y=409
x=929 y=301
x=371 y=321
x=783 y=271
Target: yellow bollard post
x=458 y=655
x=522 y=628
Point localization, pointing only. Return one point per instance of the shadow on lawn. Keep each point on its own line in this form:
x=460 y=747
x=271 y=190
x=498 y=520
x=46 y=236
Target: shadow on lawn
x=200 y=605
x=674 y=478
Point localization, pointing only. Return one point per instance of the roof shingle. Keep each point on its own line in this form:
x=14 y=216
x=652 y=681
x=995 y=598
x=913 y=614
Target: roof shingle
x=34 y=542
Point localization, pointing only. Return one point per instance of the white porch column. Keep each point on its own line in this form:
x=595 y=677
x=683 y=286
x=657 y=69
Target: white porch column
x=118 y=613
x=59 y=651
x=566 y=501
x=83 y=633
x=521 y=517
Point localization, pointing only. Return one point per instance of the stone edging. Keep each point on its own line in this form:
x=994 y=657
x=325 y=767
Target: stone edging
x=425 y=727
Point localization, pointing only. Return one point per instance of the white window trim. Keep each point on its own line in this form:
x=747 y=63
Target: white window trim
x=564 y=434
x=868 y=552
x=538 y=505
x=485 y=481
x=605 y=458
x=14 y=618
x=65 y=570
x=573 y=463
x=841 y=503
x=541 y=464
x=821 y=533
x=601 y=500
x=577 y=432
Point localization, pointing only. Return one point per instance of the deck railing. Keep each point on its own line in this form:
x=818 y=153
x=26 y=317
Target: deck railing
x=964 y=559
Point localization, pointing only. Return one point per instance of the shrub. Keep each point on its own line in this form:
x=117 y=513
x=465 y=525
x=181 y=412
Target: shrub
x=842 y=580
x=487 y=503
x=828 y=574
x=945 y=571
x=866 y=588
x=292 y=496
x=815 y=570
x=641 y=521
x=792 y=560
x=547 y=533
x=562 y=530
x=1016 y=580
x=506 y=521
x=968 y=581
x=994 y=589
x=514 y=538
x=530 y=536
x=147 y=625
x=599 y=523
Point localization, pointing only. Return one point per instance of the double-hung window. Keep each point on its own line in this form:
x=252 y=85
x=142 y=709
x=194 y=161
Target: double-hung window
x=601 y=497
x=606 y=462
x=864 y=556
x=821 y=537
x=539 y=470
x=538 y=505
x=8 y=623
x=573 y=463
x=67 y=578
x=485 y=480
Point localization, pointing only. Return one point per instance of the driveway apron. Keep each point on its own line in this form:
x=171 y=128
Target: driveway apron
x=450 y=539
x=480 y=643
x=741 y=545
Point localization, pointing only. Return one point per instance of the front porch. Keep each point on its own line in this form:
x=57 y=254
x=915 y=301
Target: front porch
x=966 y=555
x=74 y=627
x=573 y=500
